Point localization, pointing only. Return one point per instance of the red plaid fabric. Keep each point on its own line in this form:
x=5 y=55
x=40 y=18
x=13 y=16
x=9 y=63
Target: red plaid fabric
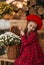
x=30 y=51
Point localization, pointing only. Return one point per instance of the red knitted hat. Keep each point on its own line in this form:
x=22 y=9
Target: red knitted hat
x=35 y=18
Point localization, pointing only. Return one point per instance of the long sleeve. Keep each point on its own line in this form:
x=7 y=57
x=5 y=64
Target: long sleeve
x=31 y=38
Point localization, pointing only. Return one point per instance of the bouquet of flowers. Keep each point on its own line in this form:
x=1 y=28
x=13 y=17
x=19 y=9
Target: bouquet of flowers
x=9 y=39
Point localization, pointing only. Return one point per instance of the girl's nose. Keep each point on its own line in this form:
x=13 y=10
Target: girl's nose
x=31 y=28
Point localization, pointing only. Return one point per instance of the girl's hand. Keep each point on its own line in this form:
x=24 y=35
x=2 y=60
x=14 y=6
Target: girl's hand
x=21 y=30
x=22 y=33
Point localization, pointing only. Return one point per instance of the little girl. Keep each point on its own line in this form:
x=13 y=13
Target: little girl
x=30 y=50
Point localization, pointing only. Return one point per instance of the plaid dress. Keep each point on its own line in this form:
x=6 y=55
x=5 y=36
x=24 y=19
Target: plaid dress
x=30 y=51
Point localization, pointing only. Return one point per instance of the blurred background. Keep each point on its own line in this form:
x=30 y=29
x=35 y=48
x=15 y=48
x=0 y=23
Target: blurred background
x=14 y=12
x=18 y=10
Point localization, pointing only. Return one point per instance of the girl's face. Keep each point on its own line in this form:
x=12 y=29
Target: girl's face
x=31 y=26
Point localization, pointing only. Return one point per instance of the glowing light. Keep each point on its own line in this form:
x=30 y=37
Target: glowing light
x=25 y=0
x=9 y=1
x=24 y=3
x=18 y=4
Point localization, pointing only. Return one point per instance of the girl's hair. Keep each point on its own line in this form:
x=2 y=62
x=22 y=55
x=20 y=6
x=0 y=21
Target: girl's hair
x=26 y=29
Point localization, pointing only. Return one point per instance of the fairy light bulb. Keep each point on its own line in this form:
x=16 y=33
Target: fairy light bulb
x=18 y=4
x=25 y=0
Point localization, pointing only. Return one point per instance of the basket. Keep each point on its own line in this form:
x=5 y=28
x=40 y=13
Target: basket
x=13 y=52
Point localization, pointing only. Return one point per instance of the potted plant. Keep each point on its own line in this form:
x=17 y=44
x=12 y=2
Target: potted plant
x=12 y=43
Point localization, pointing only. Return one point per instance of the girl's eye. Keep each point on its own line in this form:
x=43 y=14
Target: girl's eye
x=34 y=27
x=30 y=25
